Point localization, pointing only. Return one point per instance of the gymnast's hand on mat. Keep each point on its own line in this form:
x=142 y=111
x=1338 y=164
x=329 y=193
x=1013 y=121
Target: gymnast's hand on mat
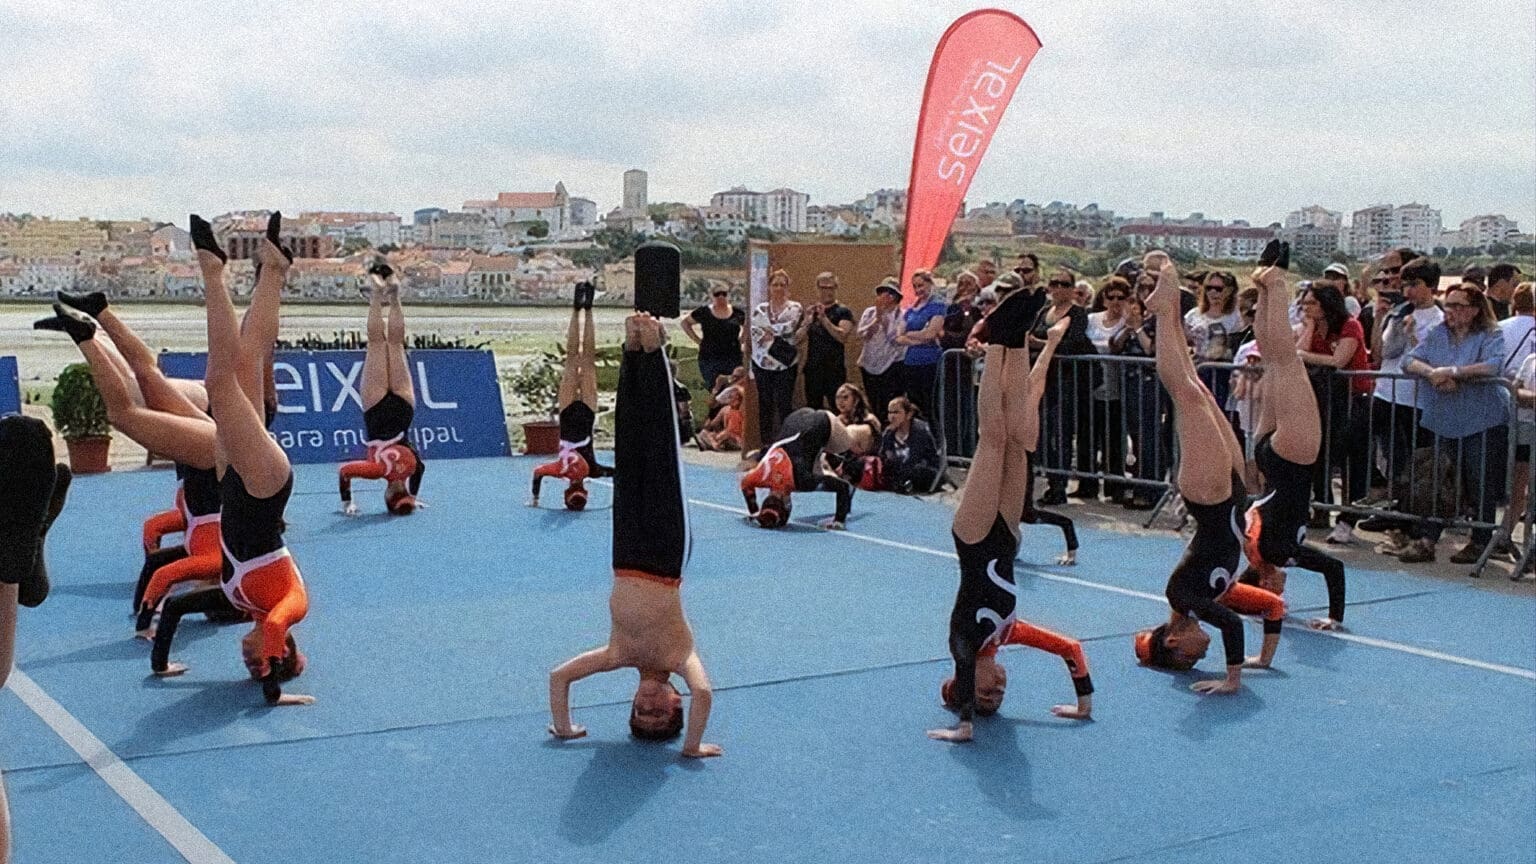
x=1230 y=684
x=569 y=734
x=1083 y=710
x=348 y=508
x=534 y=501
x=958 y=735
x=703 y=751
x=171 y=670
x=1068 y=558
x=1325 y=624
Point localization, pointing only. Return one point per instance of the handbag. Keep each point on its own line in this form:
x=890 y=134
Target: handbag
x=784 y=351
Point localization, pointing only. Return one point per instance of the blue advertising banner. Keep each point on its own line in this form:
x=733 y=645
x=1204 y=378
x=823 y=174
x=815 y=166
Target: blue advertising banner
x=320 y=412
x=10 y=389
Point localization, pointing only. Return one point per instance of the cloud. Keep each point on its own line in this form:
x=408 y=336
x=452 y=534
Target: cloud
x=1240 y=110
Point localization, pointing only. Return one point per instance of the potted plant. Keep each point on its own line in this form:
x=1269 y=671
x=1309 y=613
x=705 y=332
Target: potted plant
x=81 y=417
x=537 y=388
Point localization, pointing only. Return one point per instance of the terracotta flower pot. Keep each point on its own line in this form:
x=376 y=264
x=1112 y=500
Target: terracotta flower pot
x=89 y=455
x=541 y=438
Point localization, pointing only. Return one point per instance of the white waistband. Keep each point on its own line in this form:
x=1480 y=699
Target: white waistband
x=195 y=522
x=243 y=567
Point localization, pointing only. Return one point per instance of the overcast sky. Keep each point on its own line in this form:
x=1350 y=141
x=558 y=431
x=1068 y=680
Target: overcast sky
x=1244 y=110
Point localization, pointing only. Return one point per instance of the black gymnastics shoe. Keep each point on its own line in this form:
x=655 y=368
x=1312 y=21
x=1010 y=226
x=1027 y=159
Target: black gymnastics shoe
x=1006 y=324
x=77 y=325
x=274 y=234
x=92 y=304
x=203 y=239
x=1270 y=255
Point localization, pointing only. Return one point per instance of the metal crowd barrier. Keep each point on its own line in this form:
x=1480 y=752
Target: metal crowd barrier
x=1105 y=419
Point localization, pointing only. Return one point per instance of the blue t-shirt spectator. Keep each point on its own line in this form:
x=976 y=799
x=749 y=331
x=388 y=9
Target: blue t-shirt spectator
x=1474 y=405
x=916 y=319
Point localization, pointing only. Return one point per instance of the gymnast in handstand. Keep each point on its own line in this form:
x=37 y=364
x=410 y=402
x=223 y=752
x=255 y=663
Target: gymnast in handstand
x=986 y=533
x=650 y=546
x=578 y=408
x=1203 y=586
x=258 y=576
x=168 y=417
x=389 y=404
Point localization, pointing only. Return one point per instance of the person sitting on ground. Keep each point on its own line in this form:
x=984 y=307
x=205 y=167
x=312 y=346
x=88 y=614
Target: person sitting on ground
x=724 y=430
x=909 y=455
x=649 y=631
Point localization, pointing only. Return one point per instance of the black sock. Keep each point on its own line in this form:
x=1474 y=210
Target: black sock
x=203 y=239
x=75 y=324
x=275 y=234
x=92 y=304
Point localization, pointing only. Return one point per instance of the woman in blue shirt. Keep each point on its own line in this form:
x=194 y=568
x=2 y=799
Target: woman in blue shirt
x=922 y=327
x=1467 y=410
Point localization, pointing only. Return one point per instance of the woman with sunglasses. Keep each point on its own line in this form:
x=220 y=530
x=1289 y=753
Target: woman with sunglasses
x=1141 y=395
x=1330 y=339
x=718 y=336
x=1467 y=411
x=1106 y=420
x=1210 y=326
x=1068 y=385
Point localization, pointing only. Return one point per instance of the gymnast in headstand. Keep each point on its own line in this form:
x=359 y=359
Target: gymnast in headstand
x=578 y=408
x=167 y=417
x=255 y=478
x=986 y=534
x=35 y=488
x=1288 y=433
x=1203 y=586
x=389 y=404
x=797 y=463
x=650 y=546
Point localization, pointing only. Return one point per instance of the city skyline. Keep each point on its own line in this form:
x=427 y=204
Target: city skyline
x=123 y=120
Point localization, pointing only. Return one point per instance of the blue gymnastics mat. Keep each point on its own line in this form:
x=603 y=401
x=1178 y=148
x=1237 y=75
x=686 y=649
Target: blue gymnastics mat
x=1407 y=739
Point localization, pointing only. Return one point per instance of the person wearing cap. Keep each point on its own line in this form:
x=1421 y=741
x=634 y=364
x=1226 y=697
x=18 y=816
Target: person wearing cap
x=880 y=359
x=1338 y=275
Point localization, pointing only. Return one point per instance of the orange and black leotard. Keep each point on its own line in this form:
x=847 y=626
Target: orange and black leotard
x=259 y=575
x=576 y=461
x=391 y=455
x=650 y=515
x=793 y=463
x=200 y=559
x=1277 y=525
x=1204 y=583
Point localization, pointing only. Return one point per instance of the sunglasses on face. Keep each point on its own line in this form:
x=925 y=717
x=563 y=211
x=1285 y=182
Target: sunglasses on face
x=1023 y=270
x=1392 y=270
x=1216 y=287
x=720 y=294
x=1380 y=280
x=1057 y=283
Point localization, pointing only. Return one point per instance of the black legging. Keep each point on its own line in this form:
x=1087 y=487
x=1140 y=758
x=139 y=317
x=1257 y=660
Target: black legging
x=775 y=397
x=210 y=600
x=1033 y=515
x=882 y=387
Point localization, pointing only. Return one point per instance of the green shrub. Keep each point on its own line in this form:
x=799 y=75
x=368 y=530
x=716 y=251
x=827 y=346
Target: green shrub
x=78 y=411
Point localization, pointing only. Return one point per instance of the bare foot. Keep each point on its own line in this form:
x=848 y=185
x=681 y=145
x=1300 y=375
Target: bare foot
x=958 y=735
x=1068 y=558
x=294 y=699
x=147 y=634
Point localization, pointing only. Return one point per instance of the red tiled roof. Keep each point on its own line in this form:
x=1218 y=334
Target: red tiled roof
x=526 y=200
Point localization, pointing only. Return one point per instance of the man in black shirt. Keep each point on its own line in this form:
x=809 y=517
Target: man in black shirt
x=827 y=326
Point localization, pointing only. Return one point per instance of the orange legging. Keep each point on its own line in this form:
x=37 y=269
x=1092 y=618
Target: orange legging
x=274 y=595
x=1252 y=600
x=1065 y=647
x=163 y=523
x=570 y=466
x=204 y=561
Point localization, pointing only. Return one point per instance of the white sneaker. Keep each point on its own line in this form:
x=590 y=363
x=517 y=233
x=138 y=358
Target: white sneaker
x=1342 y=535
